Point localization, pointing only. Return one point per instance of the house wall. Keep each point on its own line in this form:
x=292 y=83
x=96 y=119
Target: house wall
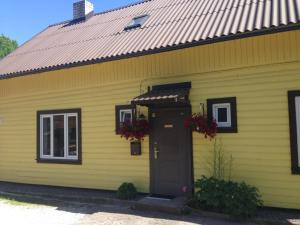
x=258 y=71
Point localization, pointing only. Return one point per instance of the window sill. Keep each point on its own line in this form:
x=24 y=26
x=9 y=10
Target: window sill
x=60 y=161
x=296 y=171
x=227 y=130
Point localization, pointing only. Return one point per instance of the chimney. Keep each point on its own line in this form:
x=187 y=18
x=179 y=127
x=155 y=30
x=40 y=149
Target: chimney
x=82 y=10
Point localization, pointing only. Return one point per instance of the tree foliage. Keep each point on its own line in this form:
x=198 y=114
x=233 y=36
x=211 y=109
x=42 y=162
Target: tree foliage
x=7 y=45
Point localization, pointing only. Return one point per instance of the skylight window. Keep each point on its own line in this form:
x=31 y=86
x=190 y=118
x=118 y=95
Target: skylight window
x=136 y=22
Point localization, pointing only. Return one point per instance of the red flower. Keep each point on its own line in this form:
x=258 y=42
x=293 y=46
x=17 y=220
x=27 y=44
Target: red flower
x=136 y=129
x=201 y=124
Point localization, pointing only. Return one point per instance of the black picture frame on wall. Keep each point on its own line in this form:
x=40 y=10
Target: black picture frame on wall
x=232 y=126
x=118 y=112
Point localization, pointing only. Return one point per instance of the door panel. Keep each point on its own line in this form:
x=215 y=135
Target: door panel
x=170 y=152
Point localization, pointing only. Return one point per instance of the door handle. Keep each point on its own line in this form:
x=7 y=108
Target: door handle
x=155 y=151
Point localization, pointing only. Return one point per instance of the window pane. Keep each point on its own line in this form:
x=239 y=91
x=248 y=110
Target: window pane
x=72 y=134
x=59 y=136
x=46 y=136
x=222 y=114
x=126 y=115
x=139 y=20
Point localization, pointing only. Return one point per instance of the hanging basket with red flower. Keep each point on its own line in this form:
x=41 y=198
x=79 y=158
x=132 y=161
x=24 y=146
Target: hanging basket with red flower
x=199 y=123
x=135 y=131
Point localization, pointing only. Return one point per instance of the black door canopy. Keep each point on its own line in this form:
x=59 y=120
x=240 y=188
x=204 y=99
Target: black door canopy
x=168 y=93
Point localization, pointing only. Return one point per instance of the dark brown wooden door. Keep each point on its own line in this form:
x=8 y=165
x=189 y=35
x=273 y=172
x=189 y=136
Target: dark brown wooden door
x=170 y=152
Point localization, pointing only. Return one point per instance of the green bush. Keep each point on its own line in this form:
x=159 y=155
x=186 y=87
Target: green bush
x=127 y=191
x=236 y=199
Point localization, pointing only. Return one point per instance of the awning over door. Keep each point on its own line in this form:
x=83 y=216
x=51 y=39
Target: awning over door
x=169 y=93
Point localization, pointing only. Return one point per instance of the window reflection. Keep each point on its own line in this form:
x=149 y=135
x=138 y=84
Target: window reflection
x=72 y=133
x=59 y=135
x=46 y=136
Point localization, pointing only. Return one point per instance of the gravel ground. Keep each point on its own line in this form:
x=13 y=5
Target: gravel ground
x=90 y=214
x=35 y=215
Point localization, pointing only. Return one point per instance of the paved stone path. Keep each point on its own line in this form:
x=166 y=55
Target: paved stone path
x=91 y=214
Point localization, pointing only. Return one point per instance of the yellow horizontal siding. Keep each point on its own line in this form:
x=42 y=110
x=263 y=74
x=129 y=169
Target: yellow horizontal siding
x=258 y=71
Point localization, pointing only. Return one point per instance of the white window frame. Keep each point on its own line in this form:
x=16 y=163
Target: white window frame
x=137 y=21
x=297 y=105
x=122 y=120
x=215 y=111
x=66 y=137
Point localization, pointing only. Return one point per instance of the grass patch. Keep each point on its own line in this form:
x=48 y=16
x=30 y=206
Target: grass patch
x=15 y=202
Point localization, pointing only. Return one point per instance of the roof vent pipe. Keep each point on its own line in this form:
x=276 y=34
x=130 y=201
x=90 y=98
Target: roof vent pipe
x=82 y=10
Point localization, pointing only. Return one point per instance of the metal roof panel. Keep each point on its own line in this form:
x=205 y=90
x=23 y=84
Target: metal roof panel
x=170 y=23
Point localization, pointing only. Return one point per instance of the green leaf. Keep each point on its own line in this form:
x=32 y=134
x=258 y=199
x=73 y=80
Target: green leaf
x=7 y=45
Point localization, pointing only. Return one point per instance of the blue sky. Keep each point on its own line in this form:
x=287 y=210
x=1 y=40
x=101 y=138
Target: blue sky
x=21 y=19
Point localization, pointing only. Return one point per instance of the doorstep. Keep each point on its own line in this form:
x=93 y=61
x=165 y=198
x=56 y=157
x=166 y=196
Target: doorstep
x=174 y=206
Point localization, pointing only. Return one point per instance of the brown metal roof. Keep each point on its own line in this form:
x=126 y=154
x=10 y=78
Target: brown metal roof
x=171 y=24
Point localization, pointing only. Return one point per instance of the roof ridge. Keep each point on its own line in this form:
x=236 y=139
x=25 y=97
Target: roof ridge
x=110 y=35
x=106 y=11
x=145 y=27
x=172 y=4
x=122 y=7
x=182 y=26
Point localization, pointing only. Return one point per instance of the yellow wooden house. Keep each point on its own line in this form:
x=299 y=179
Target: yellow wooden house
x=65 y=92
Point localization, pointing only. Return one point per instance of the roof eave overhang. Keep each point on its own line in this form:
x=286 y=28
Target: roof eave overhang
x=283 y=28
